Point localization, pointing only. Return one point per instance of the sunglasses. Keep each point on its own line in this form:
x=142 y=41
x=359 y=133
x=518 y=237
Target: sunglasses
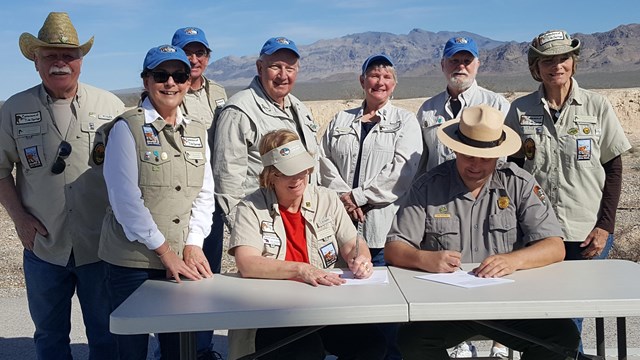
x=180 y=77
x=64 y=150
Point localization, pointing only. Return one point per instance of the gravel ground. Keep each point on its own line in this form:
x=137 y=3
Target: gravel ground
x=627 y=245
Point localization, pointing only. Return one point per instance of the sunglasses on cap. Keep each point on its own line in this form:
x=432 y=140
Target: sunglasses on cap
x=180 y=77
x=64 y=150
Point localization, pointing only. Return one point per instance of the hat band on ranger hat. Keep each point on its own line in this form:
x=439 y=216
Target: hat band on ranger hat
x=479 y=132
x=480 y=144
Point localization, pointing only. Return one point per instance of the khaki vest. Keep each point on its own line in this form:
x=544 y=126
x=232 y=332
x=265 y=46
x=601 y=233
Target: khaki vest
x=171 y=167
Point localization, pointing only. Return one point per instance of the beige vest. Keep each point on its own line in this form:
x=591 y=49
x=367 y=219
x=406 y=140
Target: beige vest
x=170 y=175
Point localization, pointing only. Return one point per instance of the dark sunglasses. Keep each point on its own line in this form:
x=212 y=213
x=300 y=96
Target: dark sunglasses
x=180 y=77
x=64 y=150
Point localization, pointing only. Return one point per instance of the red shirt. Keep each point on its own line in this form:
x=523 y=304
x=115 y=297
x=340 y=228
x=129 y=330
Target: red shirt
x=296 y=239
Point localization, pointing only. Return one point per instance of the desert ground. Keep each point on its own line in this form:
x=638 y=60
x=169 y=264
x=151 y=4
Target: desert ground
x=627 y=246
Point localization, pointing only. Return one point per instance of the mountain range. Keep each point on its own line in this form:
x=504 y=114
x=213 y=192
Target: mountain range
x=418 y=54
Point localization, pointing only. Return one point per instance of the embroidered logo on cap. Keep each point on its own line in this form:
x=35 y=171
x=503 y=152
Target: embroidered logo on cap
x=461 y=40
x=282 y=40
x=191 y=31
x=285 y=151
x=167 y=49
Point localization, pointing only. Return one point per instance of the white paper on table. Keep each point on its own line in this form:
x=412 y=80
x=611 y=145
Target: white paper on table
x=379 y=276
x=463 y=279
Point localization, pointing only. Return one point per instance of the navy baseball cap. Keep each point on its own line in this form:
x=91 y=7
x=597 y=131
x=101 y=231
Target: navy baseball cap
x=460 y=43
x=378 y=59
x=158 y=55
x=187 y=35
x=278 y=43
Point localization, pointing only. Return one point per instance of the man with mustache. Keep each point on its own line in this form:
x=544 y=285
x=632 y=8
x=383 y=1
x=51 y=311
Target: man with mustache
x=460 y=63
x=52 y=135
x=266 y=105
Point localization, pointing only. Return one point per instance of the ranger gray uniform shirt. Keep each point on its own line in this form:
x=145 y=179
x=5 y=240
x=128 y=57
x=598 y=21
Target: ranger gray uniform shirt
x=70 y=205
x=390 y=155
x=566 y=157
x=437 y=110
x=246 y=117
x=441 y=214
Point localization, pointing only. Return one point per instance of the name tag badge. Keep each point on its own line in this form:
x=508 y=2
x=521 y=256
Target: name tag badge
x=220 y=103
x=28 y=118
x=28 y=130
x=194 y=142
x=531 y=120
x=271 y=239
x=194 y=155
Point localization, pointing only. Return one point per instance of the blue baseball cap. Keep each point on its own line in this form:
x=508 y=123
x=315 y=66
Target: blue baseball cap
x=187 y=35
x=158 y=55
x=376 y=59
x=460 y=43
x=278 y=43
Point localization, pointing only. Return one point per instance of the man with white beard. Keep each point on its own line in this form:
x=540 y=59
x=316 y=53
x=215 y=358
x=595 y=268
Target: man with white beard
x=52 y=135
x=460 y=65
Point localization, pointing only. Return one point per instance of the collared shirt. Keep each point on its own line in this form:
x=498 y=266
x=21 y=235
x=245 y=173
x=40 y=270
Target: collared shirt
x=203 y=103
x=390 y=156
x=121 y=174
x=71 y=204
x=436 y=110
x=566 y=157
x=328 y=227
x=246 y=117
x=440 y=213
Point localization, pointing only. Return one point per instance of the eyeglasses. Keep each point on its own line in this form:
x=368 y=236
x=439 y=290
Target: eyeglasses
x=198 y=53
x=180 y=77
x=64 y=150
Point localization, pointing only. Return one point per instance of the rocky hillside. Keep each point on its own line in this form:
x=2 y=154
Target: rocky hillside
x=418 y=54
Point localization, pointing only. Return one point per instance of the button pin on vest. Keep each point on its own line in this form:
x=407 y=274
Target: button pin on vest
x=178 y=188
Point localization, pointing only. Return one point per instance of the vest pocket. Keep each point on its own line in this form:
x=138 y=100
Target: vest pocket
x=195 y=162
x=154 y=170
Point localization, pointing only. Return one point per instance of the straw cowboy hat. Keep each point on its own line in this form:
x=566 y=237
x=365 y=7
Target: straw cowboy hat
x=57 y=32
x=480 y=132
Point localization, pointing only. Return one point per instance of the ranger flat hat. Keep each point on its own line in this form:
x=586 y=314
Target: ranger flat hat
x=57 y=32
x=480 y=132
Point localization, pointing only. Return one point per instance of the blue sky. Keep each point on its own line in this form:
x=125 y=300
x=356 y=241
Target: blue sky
x=125 y=29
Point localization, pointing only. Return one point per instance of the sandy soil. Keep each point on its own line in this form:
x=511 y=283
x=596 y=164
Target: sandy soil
x=625 y=101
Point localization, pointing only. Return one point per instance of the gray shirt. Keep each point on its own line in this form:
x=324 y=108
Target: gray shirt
x=437 y=110
x=440 y=213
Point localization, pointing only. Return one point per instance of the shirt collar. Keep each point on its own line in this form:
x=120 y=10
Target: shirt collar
x=151 y=115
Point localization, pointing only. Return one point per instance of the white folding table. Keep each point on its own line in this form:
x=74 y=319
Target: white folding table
x=569 y=289
x=230 y=302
